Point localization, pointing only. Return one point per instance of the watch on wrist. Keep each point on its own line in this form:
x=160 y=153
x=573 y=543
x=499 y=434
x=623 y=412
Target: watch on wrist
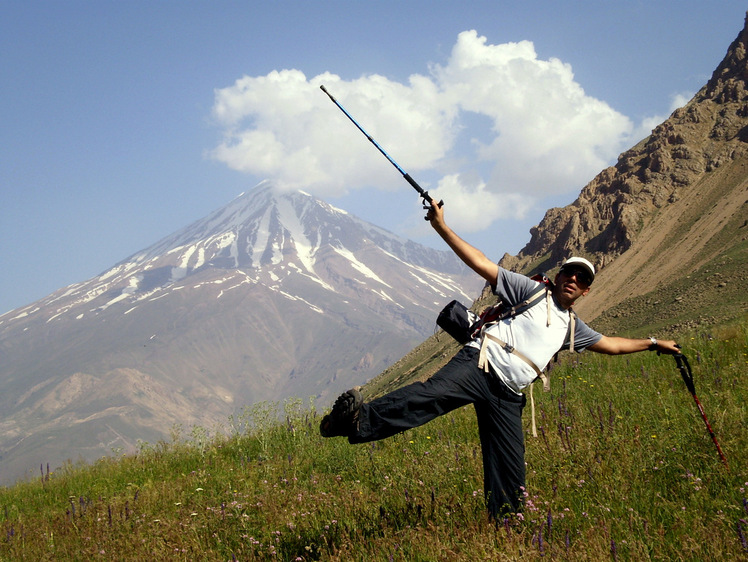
x=653 y=345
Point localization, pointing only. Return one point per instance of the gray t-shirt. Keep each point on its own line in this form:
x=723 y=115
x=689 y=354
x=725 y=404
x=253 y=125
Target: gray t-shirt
x=530 y=332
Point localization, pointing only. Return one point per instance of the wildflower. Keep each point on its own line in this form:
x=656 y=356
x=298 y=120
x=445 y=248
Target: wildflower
x=741 y=534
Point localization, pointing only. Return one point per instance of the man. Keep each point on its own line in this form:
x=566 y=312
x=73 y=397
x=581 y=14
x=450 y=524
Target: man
x=488 y=373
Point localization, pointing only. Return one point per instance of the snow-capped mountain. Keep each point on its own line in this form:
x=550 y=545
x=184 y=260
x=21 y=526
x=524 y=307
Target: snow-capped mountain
x=261 y=238
x=270 y=297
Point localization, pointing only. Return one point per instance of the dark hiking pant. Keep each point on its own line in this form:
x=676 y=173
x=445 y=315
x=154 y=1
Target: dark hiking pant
x=458 y=383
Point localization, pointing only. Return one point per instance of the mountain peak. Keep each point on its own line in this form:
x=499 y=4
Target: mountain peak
x=263 y=236
x=729 y=78
x=275 y=295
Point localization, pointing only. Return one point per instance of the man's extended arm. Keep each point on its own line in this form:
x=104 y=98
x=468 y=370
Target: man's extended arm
x=619 y=346
x=473 y=257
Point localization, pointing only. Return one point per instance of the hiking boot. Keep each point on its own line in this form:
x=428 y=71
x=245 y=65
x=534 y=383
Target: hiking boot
x=342 y=419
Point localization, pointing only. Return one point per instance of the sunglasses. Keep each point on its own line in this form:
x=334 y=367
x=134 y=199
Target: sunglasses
x=582 y=275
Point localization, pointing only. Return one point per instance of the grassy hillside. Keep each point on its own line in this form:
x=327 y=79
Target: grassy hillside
x=623 y=469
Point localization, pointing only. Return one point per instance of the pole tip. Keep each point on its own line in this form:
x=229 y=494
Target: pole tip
x=322 y=87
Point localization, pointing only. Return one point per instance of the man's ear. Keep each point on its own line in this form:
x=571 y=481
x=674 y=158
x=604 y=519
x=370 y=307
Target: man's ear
x=586 y=292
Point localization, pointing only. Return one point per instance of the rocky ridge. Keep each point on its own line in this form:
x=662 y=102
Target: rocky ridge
x=659 y=211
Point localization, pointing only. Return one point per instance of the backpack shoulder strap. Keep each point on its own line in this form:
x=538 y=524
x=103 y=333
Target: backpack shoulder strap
x=501 y=311
x=572 y=328
x=537 y=295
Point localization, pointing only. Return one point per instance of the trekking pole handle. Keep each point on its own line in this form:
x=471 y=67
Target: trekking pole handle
x=685 y=371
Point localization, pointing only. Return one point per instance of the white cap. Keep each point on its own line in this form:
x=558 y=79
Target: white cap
x=581 y=262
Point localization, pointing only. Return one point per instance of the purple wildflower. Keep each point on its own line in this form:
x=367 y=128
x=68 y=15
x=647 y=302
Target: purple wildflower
x=741 y=534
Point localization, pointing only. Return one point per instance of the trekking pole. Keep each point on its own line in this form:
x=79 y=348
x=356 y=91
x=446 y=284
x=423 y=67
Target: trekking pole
x=685 y=371
x=423 y=193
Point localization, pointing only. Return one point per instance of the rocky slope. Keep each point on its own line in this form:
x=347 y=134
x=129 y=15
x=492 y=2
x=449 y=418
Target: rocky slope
x=673 y=206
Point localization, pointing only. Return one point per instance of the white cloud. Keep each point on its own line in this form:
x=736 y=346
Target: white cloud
x=545 y=136
x=549 y=136
x=473 y=207
x=283 y=127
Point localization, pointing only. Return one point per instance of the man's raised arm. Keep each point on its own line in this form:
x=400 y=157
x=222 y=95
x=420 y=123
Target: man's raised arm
x=473 y=257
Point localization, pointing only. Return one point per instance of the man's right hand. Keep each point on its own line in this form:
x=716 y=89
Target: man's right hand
x=435 y=215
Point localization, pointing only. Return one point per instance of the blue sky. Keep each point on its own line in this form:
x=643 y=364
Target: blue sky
x=123 y=121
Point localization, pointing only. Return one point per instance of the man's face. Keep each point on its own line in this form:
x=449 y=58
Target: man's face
x=571 y=283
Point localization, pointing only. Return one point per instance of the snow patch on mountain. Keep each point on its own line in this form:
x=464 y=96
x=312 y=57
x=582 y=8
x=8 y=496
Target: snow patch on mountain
x=291 y=219
x=359 y=266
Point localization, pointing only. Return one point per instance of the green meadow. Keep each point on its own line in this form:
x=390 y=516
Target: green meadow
x=623 y=468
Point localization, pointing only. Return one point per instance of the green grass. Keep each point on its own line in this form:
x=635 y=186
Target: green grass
x=623 y=469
